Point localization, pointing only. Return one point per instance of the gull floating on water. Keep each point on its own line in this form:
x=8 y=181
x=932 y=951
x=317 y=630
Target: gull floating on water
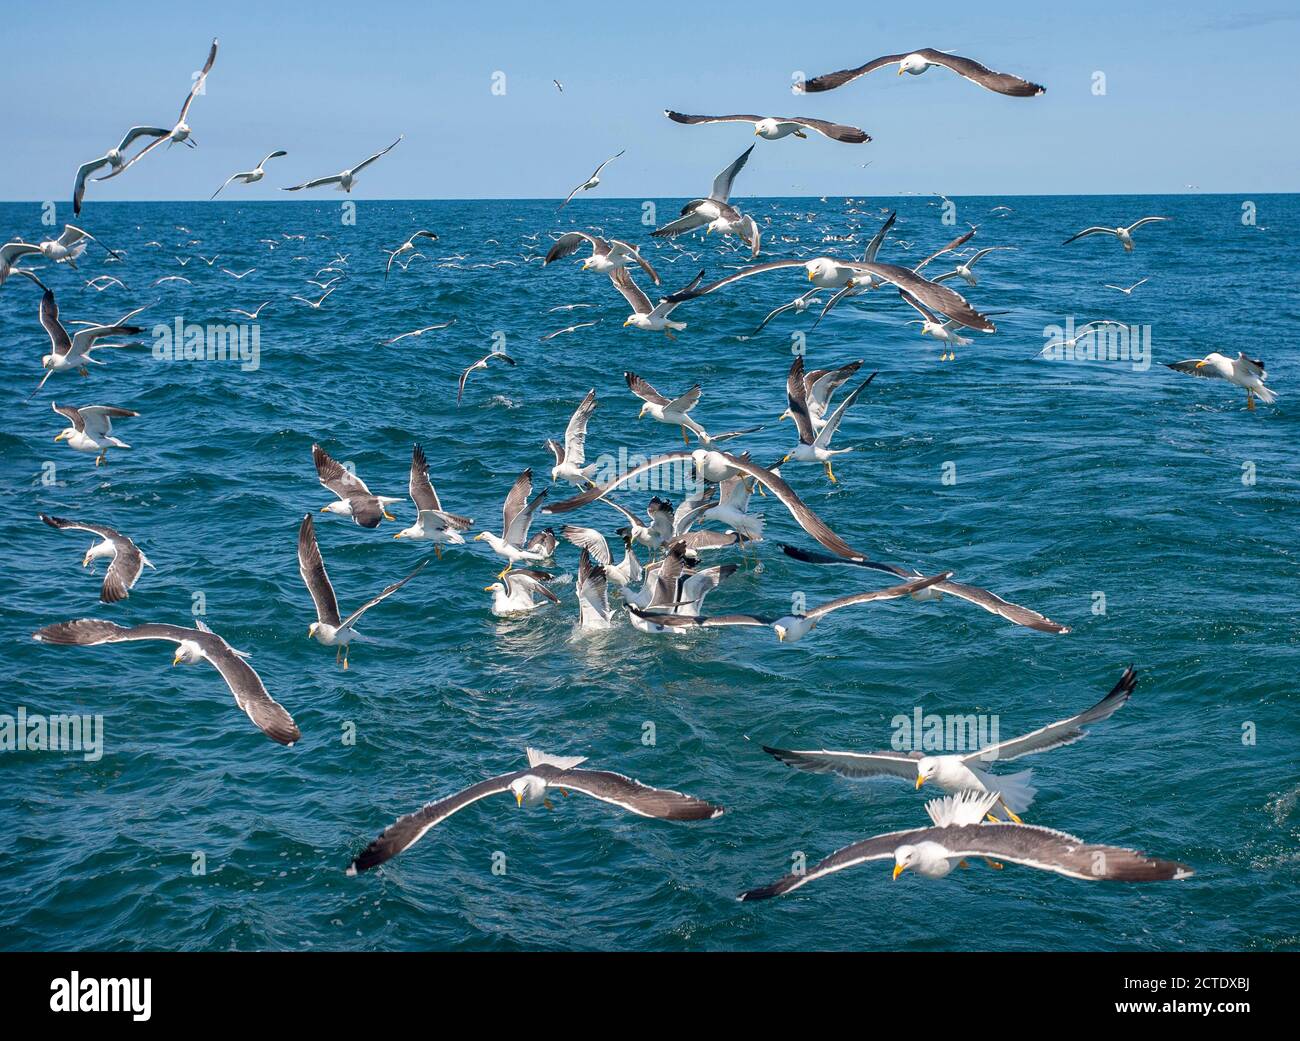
x=513 y=592
x=916 y=62
x=249 y=176
x=125 y=561
x=529 y=787
x=968 y=772
x=1241 y=371
x=347 y=178
x=773 y=128
x=193 y=645
x=329 y=628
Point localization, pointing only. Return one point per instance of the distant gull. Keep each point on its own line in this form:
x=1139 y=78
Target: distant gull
x=799 y=305
x=193 y=645
x=314 y=304
x=329 y=629
x=529 y=788
x=571 y=457
x=419 y=332
x=773 y=128
x=249 y=176
x=955 y=835
x=568 y=329
x=963 y=271
x=407 y=247
x=1241 y=371
x=1121 y=289
x=1125 y=235
x=916 y=62
x=125 y=561
x=969 y=771
x=432 y=523
x=482 y=363
x=92 y=428
x=590 y=182
x=347 y=178
x=355 y=500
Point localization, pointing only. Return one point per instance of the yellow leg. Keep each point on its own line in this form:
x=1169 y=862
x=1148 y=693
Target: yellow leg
x=1008 y=812
x=830 y=474
x=502 y=574
x=685 y=440
x=99 y=458
x=437 y=550
x=345 y=657
x=338 y=651
x=993 y=864
x=1250 y=401
x=388 y=516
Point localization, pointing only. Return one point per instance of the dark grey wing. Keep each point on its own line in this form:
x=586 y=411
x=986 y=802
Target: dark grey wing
x=937 y=297
x=592 y=494
x=831 y=80
x=199 y=80
x=337 y=477
x=693 y=292
x=1095 y=230
x=721 y=191
x=406 y=831
x=877 y=240
x=62 y=343
x=515 y=501
x=419 y=485
x=890 y=593
x=69 y=413
x=1063 y=731
x=1193 y=367
x=968 y=68
x=632 y=293
x=679 y=117
x=643 y=390
x=568 y=243
x=853 y=765
x=956 y=243
x=387 y=592
x=250 y=694
x=689 y=621
x=311 y=565
x=575 y=434
x=878 y=847
x=544 y=541
x=835 y=131
x=127 y=561
x=366 y=510
x=89 y=632
x=797 y=402
x=630 y=795
x=1050 y=850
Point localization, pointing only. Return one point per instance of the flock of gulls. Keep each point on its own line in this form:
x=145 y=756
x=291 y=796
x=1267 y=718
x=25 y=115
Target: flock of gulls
x=657 y=571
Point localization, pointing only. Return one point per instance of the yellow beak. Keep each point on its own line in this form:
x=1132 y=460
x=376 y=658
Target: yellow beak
x=519 y=798
x=1198 y=365
x=919 y=781
x=60 y=435
x=324 y=509
x=898 y=870
x=780 y=636
x=901 y=70
x=810 y=276
x=398 y=535
x=487 y=589
x=627 y=323
x=176 y=661
x=785 y=458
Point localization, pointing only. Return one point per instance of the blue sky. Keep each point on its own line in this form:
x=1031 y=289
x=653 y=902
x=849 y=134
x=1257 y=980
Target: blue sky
x=1194 y=95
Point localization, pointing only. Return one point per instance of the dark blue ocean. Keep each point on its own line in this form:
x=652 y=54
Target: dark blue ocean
x=1149 y=511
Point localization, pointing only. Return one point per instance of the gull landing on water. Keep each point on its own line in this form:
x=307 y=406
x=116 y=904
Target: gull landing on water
x=347 y=178
x=529 y=788
x=1241 y=371
x=92 y=428
x=249 y=176
x=432 y=524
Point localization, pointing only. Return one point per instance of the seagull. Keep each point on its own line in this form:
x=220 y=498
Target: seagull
x=818 y=388
x=178 y=134
x=558 y=86
x=431 y=522
x=955 y=834
x=419 y=332
x=593 y=601
x=70 y=353
x=250 y=176
x=250 y=315
x=354 y=498
x=568 y=329
x=626 y=572
x=529 y=788
x=731 y=510
x=607 y=255
x=814 y=445
x=513 y=592
x=571 y=457
x=516 y=518
x=482 y=363
x=590 y=182
x=792 y=628
x=670 y=411
x=125 y=561
x=932 y=325
x=916 y=62
x=672 y=588
x=169 y=278
x=650 y=318
x=773 y=128
x=991 y=602
x=967 y=772
x=1241 y=371
x=1121 y=289
x=329 y=629
x=347 y=178
x=10 y=252
x=314 y=304
x=114 y=157
x=1125 y=235
x=101 y=282
x=92 y=428
x=193 y=645
x=66 y=249
x=799 y=305
x=407 y=247
x=652 y=535
x=238 y=276
x=963 y=271
x=716 y=212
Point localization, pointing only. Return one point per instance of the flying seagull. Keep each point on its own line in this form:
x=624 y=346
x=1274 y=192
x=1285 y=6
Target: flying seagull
x=347 y=178
x=1121 y=289
x=92 y=428
x=652 y=318
x=773 y=128
x=178 y=134
x=571 y=457
x=606 y=255
x=991 y=602
x=355 y=500
x=516 y=518
x=1125 y=235
x=1241 y=371
x=969 y=771
x=329 y=629
x=432 y=523
x=916 y=62
x=125 y=561
x=69 y=353
x=193 y=645
x=815 y=443
x=249 y=176
x=716 y=212
x=590 y=182
x=482 y=363
x=955 y=834
x=114 y=157
x=529 y=787
x=407 y=247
